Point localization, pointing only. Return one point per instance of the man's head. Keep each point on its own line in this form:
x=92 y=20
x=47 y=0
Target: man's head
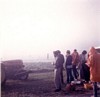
x=68 y=52
x=55 y=53
x=84 y=52
x=75 y=50
x=58 y=51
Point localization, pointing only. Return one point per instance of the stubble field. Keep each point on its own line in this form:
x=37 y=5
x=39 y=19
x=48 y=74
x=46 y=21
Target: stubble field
x=40 y=83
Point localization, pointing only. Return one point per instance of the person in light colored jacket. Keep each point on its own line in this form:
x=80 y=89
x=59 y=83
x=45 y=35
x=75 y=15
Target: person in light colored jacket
x=84 y=69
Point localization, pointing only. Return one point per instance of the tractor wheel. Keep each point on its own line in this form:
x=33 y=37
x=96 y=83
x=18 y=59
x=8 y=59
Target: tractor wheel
x=24 y=77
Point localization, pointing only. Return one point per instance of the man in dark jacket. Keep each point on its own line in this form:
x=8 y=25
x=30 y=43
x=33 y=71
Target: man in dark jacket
x=61 y=61
x=68 y=66
x=58 y=70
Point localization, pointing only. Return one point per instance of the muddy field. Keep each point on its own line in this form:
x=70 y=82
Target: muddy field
x=40 y=84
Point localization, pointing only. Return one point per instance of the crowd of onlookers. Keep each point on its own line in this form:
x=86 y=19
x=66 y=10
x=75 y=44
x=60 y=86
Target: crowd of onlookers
x=82 y=67
x=75 y=65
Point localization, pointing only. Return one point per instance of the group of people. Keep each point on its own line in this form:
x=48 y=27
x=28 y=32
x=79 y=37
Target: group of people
x=72 y=62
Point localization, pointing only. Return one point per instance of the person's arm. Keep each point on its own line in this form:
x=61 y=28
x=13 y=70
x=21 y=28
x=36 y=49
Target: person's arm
x=90 y=61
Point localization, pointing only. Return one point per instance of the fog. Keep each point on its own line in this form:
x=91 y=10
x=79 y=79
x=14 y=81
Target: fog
x=31 y=29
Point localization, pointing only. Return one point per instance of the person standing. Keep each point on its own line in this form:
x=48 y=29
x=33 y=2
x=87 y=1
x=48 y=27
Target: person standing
x=75 y=61
x=68 y=66
x=93 y=62
x=57 y=71
x=61 y=60
x=82 y=57
x=84 y=69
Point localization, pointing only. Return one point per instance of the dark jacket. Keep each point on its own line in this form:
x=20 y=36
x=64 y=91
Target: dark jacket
x=68 y=60
x=60 y=61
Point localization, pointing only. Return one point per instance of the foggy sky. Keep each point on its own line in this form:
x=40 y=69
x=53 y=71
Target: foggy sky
x=32 y=28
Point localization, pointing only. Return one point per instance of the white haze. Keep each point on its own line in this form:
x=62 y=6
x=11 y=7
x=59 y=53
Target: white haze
x=31 y=29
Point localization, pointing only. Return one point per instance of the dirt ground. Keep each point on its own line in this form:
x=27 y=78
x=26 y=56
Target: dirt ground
x=40 y=83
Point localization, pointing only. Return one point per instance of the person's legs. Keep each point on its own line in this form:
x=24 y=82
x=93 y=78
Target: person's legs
x=95 y=89
x=81 y=71
x=86 y=73
x=62 y=79
x=75 y=71
x=57 y=74
x=70 y=75
x=67 y=71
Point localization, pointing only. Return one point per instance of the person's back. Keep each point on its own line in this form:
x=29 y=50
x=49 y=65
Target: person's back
x=75 y=57
x=82 y=57
x=69 y=60
x=60 y=60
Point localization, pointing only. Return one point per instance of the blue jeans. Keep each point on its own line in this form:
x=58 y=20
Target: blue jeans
x=95 y=89
x=75 y=72
x=69 y=75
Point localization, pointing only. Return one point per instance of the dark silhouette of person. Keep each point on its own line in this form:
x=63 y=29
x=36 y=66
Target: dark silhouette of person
x=59 y=60
x=68 y=66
